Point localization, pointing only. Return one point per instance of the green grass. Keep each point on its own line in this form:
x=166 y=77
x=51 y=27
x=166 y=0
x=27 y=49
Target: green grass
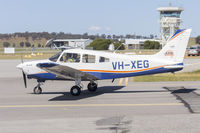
x=186 y=76
x=25 y=56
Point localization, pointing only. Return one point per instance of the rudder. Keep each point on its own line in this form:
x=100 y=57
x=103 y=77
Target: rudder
x=175 y=48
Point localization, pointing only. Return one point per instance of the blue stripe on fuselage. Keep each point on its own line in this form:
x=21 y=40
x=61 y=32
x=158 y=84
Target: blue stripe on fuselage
x=104 y=75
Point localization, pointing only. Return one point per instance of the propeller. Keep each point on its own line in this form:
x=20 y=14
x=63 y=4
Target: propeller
x=24 y=75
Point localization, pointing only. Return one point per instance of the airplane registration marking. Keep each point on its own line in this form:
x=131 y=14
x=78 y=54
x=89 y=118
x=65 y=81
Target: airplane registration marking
x=91 y=105
x=134 y=64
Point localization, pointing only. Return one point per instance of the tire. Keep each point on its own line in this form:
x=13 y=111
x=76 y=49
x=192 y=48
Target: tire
x=92 y=87
x=75 y=91
x=37 y=90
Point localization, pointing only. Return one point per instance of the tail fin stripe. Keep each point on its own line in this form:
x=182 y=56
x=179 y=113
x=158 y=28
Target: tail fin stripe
x=173 y=37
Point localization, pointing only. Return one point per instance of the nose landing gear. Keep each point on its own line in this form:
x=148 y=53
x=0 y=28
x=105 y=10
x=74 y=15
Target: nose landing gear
x=38 y=89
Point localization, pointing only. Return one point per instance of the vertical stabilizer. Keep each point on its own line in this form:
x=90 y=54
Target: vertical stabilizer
x=175 y=48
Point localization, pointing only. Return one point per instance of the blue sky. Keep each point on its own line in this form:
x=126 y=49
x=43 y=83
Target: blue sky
x=92 y=16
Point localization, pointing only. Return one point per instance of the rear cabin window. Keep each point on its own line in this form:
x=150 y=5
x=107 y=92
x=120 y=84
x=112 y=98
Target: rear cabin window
x=70 y=58
x=88 y=58
x=103 y=59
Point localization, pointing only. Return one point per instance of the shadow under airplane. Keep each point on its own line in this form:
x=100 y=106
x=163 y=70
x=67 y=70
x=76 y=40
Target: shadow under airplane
x=87 y=94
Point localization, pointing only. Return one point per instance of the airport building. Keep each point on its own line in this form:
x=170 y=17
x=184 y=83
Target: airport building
x=68 y=43
x=170 y=21
x=137 y=43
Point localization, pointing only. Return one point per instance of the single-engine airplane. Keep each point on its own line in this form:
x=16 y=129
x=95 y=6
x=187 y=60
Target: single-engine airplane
x=89 y=65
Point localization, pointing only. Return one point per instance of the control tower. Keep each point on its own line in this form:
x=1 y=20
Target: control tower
x=170 y=21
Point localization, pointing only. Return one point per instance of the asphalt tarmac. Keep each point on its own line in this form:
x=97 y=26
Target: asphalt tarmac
x=139 y=107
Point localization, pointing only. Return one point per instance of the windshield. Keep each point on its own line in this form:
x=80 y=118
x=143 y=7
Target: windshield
x=55 y=57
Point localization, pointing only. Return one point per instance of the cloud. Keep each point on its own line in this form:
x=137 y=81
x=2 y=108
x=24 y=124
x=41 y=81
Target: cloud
x=107 y=28
x=94 y=28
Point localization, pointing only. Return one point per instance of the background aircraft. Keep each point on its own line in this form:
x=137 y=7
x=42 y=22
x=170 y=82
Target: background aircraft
x=88 y=65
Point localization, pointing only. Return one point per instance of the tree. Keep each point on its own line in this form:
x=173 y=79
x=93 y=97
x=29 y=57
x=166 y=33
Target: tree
x=151 y=45
x=109 y=37
x=14 y=45
x=151 y=36
x=100 y=44
x=197 y=39
x=6 y=44
x=85 y=36
x=27 y=44
x=39 y=45
x=103 y=36
x=21 y=44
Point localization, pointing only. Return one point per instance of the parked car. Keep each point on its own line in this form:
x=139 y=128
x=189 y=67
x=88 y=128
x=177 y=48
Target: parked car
x=194 y=50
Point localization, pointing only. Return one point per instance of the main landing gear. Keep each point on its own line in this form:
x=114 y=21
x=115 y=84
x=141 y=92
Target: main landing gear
x=76 y=90
x=92 y=86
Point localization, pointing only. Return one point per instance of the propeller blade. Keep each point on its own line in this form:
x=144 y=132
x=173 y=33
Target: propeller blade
x=24 y=77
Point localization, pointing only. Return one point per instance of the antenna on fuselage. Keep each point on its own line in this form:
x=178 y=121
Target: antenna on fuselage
x=118 y=48
x=22 y=59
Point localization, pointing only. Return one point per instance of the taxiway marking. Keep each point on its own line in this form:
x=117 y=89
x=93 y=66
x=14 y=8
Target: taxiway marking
x=91 y=105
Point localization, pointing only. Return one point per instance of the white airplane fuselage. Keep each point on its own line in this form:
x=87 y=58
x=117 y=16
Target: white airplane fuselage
x=118 y=66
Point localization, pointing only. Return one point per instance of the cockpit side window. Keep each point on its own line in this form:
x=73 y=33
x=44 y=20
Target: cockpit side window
x=70 y=57
x=55 y=57
x=103 y=59
x=88 y=58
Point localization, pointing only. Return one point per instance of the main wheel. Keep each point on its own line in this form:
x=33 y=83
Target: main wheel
x=37 y=90
x=75 y=90
x=92 y=87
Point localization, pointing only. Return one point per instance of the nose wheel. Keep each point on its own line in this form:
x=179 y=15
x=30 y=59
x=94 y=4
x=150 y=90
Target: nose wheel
x=38 y=89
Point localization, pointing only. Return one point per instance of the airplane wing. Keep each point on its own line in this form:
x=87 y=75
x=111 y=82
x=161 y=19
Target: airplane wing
x=65 y=71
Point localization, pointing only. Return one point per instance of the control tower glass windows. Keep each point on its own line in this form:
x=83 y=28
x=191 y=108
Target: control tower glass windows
x=170 y=14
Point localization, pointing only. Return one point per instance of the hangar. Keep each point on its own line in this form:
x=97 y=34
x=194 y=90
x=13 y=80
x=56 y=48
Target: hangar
x=68 y=43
